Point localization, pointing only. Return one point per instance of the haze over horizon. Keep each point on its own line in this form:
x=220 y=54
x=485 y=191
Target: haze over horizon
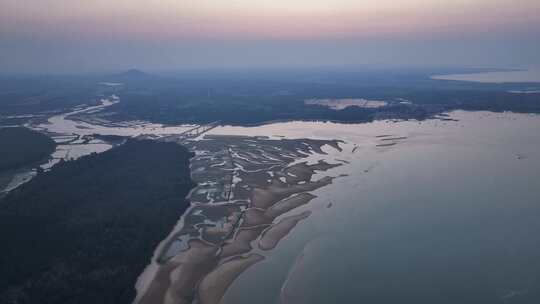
x=72 y=36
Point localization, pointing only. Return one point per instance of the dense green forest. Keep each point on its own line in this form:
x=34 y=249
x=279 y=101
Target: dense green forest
x=84 y=231
x=22 y=146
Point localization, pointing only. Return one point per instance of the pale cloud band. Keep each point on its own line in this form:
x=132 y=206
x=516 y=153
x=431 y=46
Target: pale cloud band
x=276 y=19
x=82 y=34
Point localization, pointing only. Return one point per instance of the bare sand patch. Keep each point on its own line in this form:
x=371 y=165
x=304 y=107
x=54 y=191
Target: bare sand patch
x=242 y=241
x=178 y=277
x=271 y=237
x=288 y=204
x=216 y=283
x=244 y=185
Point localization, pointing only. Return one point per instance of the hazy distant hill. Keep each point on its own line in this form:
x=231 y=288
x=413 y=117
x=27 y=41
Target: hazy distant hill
x=132 y=75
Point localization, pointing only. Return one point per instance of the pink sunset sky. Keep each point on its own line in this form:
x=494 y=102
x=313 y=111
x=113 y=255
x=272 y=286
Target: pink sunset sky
x=190 y=32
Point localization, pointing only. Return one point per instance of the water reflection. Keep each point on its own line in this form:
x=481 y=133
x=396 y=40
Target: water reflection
x=447 y=212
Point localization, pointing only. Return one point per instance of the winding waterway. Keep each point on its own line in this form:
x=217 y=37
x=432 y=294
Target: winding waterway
x=69 y=130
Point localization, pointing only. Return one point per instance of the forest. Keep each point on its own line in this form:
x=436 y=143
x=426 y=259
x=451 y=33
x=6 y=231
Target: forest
x=260 y=96
x=84 y=231
x=22 y=146
x=246 y=97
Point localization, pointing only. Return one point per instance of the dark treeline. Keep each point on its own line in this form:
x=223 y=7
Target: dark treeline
x=22 y=146
x=254 y=97
x=174 y=108
x=44 y=93
x=258 y=96
x=83 y=232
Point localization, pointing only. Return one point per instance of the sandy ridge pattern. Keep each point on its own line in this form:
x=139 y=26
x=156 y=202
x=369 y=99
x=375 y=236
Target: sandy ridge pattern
x=247 y=189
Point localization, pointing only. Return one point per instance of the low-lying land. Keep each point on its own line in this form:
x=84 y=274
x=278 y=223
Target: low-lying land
x=84 y=231
x=255 y=97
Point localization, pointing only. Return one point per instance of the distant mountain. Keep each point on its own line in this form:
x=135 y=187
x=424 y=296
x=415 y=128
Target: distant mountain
x=131 y=75
x=134 y=73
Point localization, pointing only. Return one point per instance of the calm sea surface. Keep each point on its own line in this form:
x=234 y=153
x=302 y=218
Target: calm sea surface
x=449 y=214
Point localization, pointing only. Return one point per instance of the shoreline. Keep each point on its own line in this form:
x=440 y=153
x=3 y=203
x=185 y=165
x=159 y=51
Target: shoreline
x=264 y=211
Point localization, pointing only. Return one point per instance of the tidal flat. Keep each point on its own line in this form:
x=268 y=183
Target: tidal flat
x=447 y=211
x=356 y=209
x=249 y=189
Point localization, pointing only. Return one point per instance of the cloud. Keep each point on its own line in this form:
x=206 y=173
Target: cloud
x=99 y=34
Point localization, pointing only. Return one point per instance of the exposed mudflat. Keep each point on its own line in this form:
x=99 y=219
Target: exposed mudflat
x=244 y=205
x=269 y=222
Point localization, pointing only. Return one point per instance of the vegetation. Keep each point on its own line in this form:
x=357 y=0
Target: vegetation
x=22 y=146
x=258 y=96
x=255 y=97
x=34 y=94
x=83 y=232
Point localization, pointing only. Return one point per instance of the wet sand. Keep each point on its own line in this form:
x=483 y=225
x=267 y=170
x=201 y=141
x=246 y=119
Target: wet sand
x=261 y=179
x=248 y=189
x=215 y=284
x=271 y=237
x=177 y=278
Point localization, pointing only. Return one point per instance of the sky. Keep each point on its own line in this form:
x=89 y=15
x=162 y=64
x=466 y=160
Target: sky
x=94 y=35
